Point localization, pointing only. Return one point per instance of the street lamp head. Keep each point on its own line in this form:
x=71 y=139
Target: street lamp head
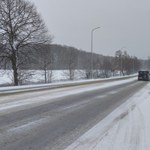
x=98 y=27
x=95 y=28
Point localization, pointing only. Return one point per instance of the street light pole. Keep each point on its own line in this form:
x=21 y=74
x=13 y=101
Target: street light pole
x=91 y=68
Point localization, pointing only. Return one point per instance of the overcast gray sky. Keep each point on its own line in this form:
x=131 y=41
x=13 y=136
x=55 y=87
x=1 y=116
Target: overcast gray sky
x=123 y=23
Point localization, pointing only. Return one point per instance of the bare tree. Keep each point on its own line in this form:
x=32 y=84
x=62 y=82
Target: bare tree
x=119 y=61
x=21 y=27
x=71 y=59
x=45 y=61
x=126 y=63
x=148 y=63
x=97 y=63
x=106 y=67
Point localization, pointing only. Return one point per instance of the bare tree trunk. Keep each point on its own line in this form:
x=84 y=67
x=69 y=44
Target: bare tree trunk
x=45 y=75
x=50 y=74
x=71 y=74
x=15 y=72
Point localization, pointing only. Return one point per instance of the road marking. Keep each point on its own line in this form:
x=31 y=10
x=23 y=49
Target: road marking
x=27 y=126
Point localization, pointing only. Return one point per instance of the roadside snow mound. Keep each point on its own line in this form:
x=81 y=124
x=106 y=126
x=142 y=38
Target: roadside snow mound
x=127 y=128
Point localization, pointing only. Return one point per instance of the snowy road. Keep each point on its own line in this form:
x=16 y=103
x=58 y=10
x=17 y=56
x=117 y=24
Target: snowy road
x=126 y=128
x=53 y=119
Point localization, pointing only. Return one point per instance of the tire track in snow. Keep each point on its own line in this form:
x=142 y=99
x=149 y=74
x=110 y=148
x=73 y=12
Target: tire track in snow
x=137 y=141
x=124 y=136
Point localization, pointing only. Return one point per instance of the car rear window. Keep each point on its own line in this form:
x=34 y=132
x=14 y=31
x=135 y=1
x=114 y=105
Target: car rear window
x=143 y=72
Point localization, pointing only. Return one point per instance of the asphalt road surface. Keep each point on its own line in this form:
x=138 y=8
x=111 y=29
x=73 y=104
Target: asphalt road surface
x=54 y=124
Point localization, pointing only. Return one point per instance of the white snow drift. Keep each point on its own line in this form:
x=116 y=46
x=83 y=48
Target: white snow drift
x=127 y=128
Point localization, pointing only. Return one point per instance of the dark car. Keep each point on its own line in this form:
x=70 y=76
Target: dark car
x=144 y=75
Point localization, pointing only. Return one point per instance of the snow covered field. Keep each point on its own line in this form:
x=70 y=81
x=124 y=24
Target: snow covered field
x=127 y=128
x=37 y=76
x=5 y=77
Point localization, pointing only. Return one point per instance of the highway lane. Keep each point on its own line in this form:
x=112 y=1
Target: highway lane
x=55 y=124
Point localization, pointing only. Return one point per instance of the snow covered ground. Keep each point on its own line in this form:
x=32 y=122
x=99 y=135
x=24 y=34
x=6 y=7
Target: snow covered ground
x=62 y=84
x=127 y=128
x=5 y=77
x=37 y=76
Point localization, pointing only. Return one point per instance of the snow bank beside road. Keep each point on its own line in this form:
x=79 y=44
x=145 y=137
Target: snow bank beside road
x=127 y=128
x=59 y=84
x=37 y=76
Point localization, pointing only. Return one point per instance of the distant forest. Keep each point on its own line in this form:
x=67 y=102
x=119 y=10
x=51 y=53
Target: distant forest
x=58 y=57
